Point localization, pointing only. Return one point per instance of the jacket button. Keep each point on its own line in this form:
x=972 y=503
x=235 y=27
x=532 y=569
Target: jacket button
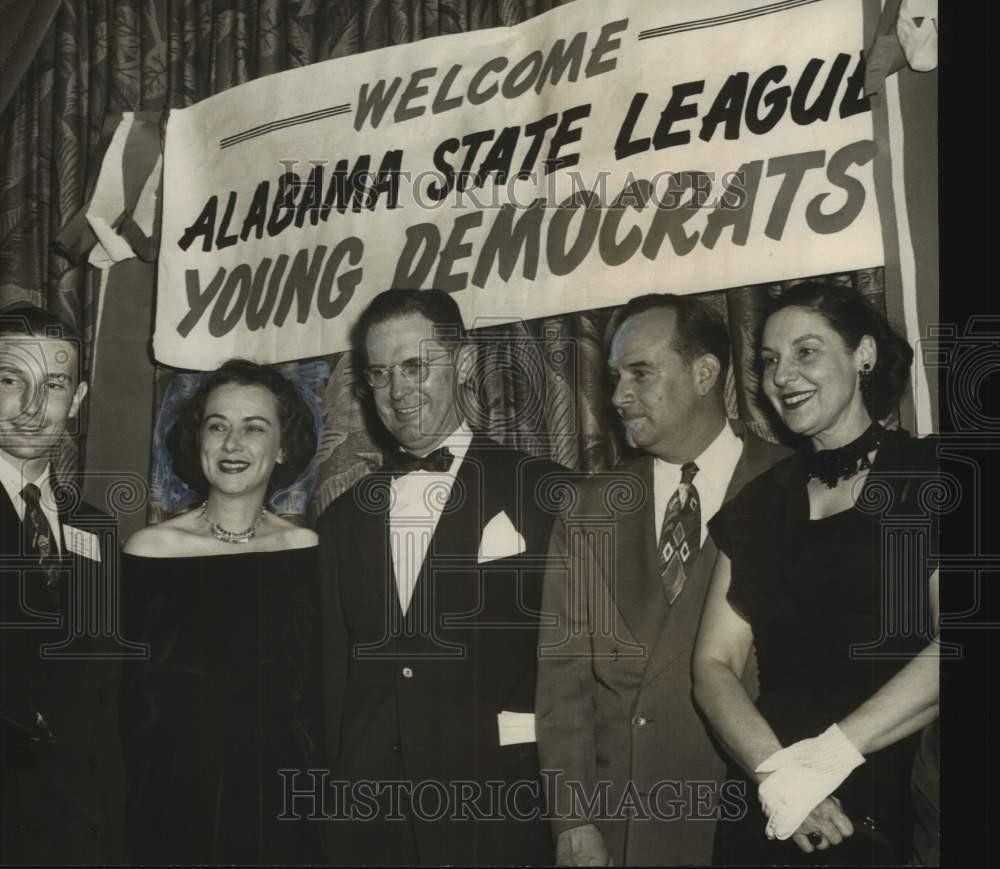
x=639 y=721
x=396 y=748
x=95 y=831
x=407 y=673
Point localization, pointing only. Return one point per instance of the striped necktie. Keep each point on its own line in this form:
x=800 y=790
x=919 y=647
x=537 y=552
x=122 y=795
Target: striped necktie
x=680 y=534
x=40 y=540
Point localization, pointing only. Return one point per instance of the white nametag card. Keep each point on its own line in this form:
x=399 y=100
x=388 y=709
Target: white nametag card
x=83 y=543
x=516 y=727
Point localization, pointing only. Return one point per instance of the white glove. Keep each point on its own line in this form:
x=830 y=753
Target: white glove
x=802 y=776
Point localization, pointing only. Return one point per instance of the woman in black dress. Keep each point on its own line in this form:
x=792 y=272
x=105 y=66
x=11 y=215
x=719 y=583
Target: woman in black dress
x=226 y=596
x=810 y=574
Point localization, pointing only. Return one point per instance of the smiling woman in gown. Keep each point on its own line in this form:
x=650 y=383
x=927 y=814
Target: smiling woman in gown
x=806 y=574
x=225 y=595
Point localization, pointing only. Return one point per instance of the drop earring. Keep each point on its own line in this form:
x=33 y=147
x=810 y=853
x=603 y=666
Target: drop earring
x=865 y=381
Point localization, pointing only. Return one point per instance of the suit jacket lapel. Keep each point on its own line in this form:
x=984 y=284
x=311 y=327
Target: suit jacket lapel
x=685 y=616
x=41 y=607
x=371 y=536
x=14 y=527
x=636 y=586
x=10 y=525
x=461 y=523
x=61 y=505
x=457 y=533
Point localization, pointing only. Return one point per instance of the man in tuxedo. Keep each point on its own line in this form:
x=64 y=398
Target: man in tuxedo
x=432 y=582
x=61 y=792
x=639 y=777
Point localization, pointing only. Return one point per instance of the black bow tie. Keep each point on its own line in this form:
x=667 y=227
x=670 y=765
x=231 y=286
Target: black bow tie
x=400 y=462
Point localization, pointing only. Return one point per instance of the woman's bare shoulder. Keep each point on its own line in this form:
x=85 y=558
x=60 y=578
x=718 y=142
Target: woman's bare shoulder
x=292 y=536
x=165 y=538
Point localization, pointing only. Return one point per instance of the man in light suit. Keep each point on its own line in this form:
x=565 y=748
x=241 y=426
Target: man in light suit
x=62 y=789
x=639 y=777
x=432 y=588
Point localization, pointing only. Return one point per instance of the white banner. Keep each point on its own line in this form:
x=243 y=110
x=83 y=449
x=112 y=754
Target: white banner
x=599 y=151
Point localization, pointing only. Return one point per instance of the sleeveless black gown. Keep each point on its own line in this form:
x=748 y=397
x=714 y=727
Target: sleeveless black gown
x=229 y=696
x=836 y=611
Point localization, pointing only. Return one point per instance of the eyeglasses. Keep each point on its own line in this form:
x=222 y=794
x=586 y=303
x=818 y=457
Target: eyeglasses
x=415 y=370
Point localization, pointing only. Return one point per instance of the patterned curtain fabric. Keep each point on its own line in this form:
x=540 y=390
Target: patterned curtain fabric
x=106 y=56
x=539 y=385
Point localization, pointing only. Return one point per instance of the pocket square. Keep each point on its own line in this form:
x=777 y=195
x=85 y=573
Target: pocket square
x=500 y=539
x=516 y=727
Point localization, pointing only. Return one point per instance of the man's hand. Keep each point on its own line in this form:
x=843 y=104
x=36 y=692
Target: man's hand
x=582 y=846
x=824 y=826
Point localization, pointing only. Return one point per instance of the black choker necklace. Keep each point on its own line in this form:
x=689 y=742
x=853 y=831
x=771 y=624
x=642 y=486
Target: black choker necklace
x=842 y=463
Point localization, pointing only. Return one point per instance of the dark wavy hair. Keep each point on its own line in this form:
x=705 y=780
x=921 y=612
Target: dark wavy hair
x=432 y=304
x=699 y=327
x=27 y=321
x=852 y=317
x=298 y=431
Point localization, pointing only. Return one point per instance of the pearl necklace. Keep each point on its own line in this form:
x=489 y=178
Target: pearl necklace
x=225 y=536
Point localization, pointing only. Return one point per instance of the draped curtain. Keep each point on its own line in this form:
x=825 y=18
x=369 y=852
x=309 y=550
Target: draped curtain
x=106 y=56
x=539 y=385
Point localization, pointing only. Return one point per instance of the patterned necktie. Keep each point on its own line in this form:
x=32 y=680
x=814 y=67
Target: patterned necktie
x=40 y=538
x=680 y=535
x=400 y=462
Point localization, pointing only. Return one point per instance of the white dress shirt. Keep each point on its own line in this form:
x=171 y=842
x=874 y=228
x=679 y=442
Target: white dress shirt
x=13 y=482
x=715 y=469
x=418 y=499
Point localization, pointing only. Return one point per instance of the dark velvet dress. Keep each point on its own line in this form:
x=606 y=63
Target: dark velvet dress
x=231 y=694
x=837 y=606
